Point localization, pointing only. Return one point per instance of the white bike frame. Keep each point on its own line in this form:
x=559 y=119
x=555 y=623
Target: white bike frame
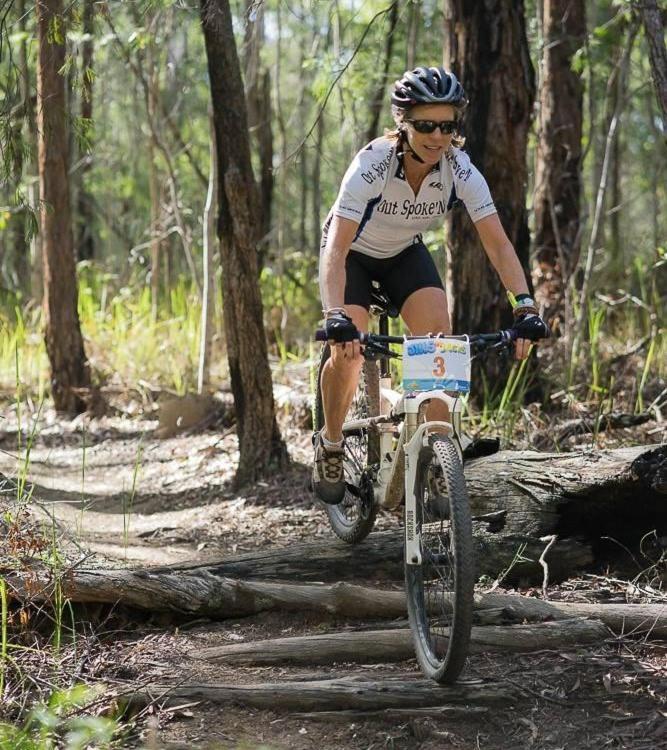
x=414 y=436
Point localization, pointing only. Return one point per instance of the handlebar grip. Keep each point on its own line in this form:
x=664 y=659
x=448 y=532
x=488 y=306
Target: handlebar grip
x=321 y=335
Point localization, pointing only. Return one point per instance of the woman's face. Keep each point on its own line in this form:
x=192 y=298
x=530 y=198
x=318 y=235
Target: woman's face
x=429 y=146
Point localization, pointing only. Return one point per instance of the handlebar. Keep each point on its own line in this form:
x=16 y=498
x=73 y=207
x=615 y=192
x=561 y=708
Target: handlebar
x=478 y=341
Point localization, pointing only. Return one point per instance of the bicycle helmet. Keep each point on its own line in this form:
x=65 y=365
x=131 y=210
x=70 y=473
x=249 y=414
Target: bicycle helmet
x=428 y=86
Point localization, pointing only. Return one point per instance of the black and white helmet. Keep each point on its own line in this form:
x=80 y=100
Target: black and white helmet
x=428 y=86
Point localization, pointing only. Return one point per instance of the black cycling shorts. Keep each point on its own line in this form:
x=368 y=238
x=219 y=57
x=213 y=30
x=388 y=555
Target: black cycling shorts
x=399 y=276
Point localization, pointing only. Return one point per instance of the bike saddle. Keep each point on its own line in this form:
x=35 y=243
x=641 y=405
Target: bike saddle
x=381 y=302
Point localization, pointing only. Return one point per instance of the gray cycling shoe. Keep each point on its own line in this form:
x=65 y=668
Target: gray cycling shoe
x=328 y=473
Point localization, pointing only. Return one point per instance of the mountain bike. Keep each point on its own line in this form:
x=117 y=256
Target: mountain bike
x=393 y=453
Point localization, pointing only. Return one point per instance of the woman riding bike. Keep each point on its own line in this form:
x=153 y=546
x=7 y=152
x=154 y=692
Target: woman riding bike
x=396 y=187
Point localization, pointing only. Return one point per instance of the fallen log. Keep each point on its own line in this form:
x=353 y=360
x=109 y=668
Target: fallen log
x=203 y=593
x=618 y=493
x=380 y=557
x=394 y=714
x=368 y=646
x=203 y=590
x=403 y=691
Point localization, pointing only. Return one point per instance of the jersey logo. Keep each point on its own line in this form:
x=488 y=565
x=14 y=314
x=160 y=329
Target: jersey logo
x=435 y=184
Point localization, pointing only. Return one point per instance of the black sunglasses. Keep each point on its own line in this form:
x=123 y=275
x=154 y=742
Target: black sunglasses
x=428 y=126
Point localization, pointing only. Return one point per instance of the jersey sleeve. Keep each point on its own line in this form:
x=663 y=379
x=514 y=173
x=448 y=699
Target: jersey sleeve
x=362 y=183
x=471 y=187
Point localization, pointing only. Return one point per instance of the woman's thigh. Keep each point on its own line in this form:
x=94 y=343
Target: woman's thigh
x=425 y=311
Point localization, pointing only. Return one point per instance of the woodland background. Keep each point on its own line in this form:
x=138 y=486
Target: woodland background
x=566 y=121
x=166 y=168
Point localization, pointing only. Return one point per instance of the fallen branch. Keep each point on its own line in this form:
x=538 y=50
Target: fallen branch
x=369 y=646
x=401 y=691
x=395 y=714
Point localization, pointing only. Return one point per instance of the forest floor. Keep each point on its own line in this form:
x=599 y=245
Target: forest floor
x=130 y=499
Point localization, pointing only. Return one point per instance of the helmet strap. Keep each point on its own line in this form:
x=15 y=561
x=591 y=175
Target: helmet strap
x=407 y=148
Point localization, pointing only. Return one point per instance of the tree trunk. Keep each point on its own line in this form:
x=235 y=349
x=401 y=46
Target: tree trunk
x=558 y=168
x=414 y=22
x=85 y=239
x=619 y=82
x=21 y=242
x=316 y=187
x=260 y=445
x=654 y=28
x=378 y=92
x=208 y=265
x=157 y=245
x=489 y=52
x=258 y=99
x=396 y=644
x=17 y=222
x=64 y=343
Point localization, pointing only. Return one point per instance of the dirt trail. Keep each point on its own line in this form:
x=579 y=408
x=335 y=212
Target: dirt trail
x=134 y=500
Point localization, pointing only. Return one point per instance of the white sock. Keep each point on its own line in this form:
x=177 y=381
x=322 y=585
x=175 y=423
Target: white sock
x=331 y=443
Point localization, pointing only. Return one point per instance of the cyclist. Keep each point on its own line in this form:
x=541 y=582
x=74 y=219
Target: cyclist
x=395 y=188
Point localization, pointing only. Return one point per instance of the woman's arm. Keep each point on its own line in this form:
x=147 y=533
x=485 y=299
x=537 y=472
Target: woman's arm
x=502 y=255
x=504 y=259
x=340 y=236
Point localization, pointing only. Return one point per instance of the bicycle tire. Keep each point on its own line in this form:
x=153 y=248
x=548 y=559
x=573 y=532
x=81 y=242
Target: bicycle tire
x=440 y=590
x=353 y=518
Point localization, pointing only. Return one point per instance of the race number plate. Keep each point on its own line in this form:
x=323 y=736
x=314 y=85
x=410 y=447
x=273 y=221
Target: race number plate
x=436 y=363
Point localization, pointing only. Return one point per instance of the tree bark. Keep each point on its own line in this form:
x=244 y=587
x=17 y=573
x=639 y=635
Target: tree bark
x=654 y=28
x=64 y=343
x=396 y=644
x=260 y=445
x=488 y=50
x=202 y=590
x=85 y=239
x=584 y=494
x=558 y=167
x=208 y=265
x=258 y=98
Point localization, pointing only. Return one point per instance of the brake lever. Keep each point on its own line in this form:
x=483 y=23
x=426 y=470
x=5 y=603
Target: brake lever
x=379 y=349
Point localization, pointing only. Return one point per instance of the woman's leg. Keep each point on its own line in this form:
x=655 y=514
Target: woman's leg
x=340 y=376
x=425 y=311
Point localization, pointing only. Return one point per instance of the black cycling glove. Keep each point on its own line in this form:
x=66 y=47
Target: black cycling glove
x=530 y=326
x=340 y=328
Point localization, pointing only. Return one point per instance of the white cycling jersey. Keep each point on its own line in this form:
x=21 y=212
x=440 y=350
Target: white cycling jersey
x=375 y=193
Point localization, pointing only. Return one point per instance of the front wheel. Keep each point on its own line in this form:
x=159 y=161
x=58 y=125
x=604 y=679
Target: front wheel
x=353 y=518
x=440 y=589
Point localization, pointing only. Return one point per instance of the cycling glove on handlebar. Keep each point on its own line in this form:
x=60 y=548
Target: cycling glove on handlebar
x=340 y=328
x=529 y=325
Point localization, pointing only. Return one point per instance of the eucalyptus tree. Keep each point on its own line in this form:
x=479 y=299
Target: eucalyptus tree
x=558 y=162
x=85 y=242
x=70 y=374
x=486 y=45
x=654 y=28
x=260 y=444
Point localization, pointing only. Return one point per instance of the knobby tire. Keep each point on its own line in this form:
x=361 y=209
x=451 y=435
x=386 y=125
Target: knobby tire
x=440 y=590
x=353 y=519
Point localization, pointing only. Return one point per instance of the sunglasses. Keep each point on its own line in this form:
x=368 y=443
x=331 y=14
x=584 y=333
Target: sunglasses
x=429 y=126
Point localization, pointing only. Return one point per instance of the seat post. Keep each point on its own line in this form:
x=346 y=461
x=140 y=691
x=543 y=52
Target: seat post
x=383 y=330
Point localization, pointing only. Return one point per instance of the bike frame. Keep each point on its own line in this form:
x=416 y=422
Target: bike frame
x=405 y=408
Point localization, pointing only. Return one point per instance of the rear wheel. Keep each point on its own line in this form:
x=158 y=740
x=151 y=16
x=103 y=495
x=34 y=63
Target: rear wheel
x=353 y=518
x=440 y=589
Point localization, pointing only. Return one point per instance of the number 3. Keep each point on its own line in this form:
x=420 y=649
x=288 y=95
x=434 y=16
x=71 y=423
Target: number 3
x=438 y=367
